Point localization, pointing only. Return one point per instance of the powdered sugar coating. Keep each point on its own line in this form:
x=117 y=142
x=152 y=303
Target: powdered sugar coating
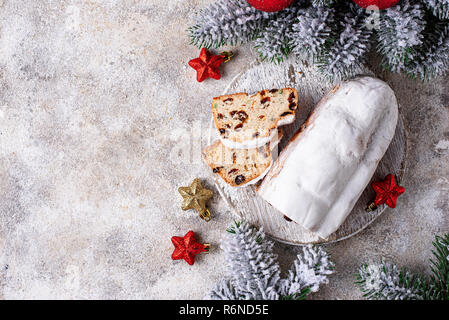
x=322 y=172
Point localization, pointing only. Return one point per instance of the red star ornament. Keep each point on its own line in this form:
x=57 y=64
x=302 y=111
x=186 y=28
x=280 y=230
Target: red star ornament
x=387 y=191
x=187 y=248
x=206 y=65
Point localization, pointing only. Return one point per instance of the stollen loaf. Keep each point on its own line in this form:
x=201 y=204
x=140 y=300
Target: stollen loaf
x=327 y=164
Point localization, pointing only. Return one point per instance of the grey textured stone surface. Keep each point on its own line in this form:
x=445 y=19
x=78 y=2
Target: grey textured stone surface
x=95 y=98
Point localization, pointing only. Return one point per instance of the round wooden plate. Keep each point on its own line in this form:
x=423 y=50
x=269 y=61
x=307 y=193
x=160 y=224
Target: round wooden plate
x=311 y=86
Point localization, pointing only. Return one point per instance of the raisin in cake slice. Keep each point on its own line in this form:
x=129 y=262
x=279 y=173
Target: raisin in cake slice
x=241 y=167
x=250 y=121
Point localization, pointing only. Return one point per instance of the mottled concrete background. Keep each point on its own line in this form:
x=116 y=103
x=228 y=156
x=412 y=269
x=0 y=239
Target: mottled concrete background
x=95 y=97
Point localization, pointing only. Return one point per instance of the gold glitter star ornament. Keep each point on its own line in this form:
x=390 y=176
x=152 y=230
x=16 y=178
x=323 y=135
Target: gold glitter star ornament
x=195 y=197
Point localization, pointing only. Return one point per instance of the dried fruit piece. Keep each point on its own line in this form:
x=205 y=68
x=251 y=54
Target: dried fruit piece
x=240 y=179
x=291 y=97
x=242 y=115
x=265 y=100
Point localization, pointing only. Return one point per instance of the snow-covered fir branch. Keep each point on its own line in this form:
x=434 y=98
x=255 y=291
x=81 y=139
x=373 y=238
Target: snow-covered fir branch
x=224 y=290
x=309 y=271
x=433 y=55
x=254 y=272
x=322 y=3
x=312 y=32
x=227 y=22
x=252 y=263
x=386 y=281
x=439 y=265
x=412 y=37
x=400 y=34
x=440 y=8
x=347 y=54
x=273 y=41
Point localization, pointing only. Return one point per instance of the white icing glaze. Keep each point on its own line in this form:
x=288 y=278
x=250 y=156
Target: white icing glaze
x=257 y=142
x=248 y=144
x=318 y=178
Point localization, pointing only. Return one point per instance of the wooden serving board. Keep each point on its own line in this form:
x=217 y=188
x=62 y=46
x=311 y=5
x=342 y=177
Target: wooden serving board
x=311 y=86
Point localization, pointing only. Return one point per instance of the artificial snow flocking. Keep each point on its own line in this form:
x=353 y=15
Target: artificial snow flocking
x=411 y=37
x=254 y=272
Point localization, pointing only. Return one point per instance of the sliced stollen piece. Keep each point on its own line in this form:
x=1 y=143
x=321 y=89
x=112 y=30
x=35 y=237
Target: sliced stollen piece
x=250 y=121
x=241 y=167
x=328 y=163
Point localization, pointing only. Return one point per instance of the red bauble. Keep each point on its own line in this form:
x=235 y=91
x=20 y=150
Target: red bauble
x=187 y=248
x=387 y=191
x=270 y=5
x=206 y=65
x=381 y=4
